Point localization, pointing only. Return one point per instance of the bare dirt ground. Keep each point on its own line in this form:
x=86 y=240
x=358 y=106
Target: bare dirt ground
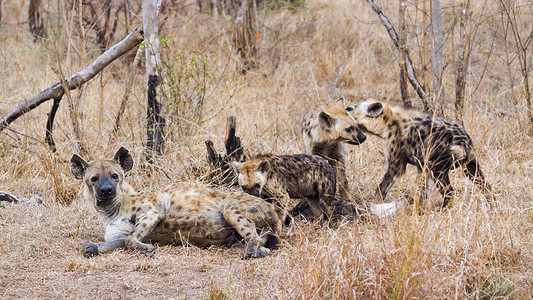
x=471 y=250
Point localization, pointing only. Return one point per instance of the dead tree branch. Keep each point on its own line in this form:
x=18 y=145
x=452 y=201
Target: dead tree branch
x=411 y=75
x=222 y=173
x=76 y=80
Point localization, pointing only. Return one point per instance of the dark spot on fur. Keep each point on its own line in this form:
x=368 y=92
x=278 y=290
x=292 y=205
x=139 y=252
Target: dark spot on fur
x=253 y=210
x=167 y=225
x=248 y=234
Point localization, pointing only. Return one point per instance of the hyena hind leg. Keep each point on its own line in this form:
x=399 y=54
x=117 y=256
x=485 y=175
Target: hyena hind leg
x=473 y=171
x=247 y=219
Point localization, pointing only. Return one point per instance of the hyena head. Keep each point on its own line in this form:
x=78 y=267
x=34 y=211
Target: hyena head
x=103 y=178
x=253 y=176
x=372 y=116
x=339 y=125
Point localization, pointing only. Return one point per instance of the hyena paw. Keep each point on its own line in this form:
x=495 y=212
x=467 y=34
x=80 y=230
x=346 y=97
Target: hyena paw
x=146 y=250
x=89 y=249
x=259 y=253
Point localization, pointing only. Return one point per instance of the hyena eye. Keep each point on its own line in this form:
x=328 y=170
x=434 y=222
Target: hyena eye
x=94 y=178
x=349 y=129
x=114 y=176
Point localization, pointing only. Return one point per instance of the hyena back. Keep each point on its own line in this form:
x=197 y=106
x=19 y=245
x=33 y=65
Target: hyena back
x=324 y=132
x=197 y=216
x=430 y=143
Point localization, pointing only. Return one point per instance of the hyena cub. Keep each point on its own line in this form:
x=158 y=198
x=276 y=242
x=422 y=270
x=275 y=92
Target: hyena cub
x=196 y=216
x=279 y=178
x=282 y=177
x=430 y=143
x=324 y=131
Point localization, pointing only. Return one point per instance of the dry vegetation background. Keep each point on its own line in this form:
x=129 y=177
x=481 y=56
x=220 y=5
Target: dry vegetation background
x=468 y=251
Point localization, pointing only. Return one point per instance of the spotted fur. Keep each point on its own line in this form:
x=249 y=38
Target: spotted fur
x=282 y=177
x=324 y=132
x=197 y=216
x=433 y=144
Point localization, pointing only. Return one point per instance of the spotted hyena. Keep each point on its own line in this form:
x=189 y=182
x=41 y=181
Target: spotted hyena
x=430 y=143
x=196 y=216
x=324 y=131
x=283 y=177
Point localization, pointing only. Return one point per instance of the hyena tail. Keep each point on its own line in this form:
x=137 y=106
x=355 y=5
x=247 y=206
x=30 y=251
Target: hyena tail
x=384 y=210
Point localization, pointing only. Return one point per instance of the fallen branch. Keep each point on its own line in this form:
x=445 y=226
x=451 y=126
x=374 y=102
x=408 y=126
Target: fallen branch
x=76 y=80
x=411 y=75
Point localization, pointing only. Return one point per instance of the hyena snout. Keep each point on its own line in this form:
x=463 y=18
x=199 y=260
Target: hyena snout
x=358 y=137
x=106 y=190
x=254 y=190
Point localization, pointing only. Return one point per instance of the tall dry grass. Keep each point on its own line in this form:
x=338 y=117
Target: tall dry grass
x=469 y=251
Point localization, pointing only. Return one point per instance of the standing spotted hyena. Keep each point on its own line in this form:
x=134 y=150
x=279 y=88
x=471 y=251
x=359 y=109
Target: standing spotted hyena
x=196 y=216
x=430 y=143
x=324 y=131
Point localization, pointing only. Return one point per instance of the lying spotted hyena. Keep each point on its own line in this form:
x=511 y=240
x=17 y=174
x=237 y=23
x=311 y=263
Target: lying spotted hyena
x=430 y=143
x=282 y=177
x=196 y=216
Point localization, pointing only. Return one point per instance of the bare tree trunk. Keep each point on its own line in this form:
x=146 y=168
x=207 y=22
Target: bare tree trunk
x=246 y=34
x=462 y=63
x=436 y=57
x=403 y=76
x=156 y=123
x=35 y=20
x=408 y=62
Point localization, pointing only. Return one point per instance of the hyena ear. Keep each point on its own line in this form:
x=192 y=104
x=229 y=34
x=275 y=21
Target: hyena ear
x=78 y=166
x=374 y=109
x=124 y=159
x=236 y=166
x=264 y=166
x=326 y=121
x=340 y=101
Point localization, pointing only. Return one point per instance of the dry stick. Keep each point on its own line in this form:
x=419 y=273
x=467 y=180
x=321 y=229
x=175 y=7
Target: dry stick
x=408 y=62
x=127 y=91
x=75 y=80
x=50 y=123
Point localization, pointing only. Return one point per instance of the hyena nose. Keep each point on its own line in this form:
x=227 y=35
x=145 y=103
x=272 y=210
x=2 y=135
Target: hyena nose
x=106 y=191
x=361 y=138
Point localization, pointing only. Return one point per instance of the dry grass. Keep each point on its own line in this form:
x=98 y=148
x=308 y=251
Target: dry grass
x=469 y=251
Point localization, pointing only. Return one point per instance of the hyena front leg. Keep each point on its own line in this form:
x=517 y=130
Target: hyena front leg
x=93 y=249
x=145 y=223
x=394 y=170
